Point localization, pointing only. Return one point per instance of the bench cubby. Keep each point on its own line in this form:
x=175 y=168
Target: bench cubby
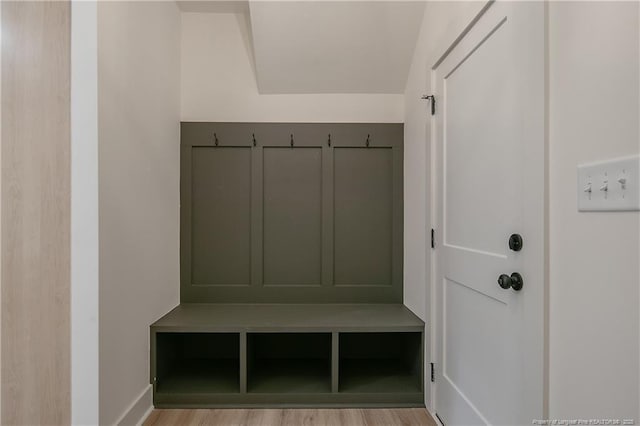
x=289 y=362
x=196 y=363
x=380 y=362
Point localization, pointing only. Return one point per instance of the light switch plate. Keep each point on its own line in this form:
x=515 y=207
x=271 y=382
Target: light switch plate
x=614 y=184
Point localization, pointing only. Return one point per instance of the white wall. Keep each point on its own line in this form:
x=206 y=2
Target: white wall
x=442 y=23
x=138 y=193
x=84 y=215
x=594 y=275
x=219 y=82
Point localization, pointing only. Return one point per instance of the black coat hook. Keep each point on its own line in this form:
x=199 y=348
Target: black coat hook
x=329 y=142
x=253 y=135
x=215 y=137
x=292 y=140
x=368 y=136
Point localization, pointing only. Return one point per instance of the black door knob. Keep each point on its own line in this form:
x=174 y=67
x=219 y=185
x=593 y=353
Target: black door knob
x=515 y=242
x=514 y=281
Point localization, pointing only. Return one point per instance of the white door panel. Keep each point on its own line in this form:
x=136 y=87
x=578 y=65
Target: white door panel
x=489 y=137
x=472 y=133
x=479 y=272
x=473 y=324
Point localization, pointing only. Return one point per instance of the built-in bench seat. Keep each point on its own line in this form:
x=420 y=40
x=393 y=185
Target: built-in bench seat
x=288 y=355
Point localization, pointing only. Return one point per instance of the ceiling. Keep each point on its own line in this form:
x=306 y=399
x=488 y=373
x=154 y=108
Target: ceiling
x=328 y=46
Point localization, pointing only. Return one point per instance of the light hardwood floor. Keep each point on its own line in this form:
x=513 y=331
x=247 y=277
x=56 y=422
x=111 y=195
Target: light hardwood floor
x=293 y=417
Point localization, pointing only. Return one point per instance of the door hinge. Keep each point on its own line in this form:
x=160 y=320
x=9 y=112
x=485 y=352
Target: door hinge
x=432 y=99
x=433 y=238
x=433 y=373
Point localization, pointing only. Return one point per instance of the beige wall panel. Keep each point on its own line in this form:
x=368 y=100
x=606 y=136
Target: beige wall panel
x=35 y=197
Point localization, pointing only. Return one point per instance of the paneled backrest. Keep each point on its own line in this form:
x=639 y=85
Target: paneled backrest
x=291 y=212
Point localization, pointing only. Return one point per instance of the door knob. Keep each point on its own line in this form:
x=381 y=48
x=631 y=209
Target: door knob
x=514 y=281
x=515 y=242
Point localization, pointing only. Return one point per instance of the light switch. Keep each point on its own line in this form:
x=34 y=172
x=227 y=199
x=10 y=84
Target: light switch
x=612 y=185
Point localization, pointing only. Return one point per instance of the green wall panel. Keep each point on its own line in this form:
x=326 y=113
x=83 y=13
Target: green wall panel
x=291 y=212
x=221 y=216
x=292 y=209
x=363 y=216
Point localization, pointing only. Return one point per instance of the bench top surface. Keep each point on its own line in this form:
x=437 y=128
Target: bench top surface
x=288 y=317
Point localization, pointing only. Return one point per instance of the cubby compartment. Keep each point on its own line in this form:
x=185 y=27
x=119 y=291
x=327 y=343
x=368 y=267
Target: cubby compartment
x=197 y=363
x=380 y=362
x=296 y=363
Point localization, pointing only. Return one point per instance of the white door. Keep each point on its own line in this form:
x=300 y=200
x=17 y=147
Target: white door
x=490 y=150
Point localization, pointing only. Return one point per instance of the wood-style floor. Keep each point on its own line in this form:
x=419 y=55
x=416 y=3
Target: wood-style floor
x=293 y=417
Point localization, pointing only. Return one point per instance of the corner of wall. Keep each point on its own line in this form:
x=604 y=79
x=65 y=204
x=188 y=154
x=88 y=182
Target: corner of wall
x=139 y=410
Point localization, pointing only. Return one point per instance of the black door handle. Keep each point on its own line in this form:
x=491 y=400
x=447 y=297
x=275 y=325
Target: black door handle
x=515 y=242
x=514 y=281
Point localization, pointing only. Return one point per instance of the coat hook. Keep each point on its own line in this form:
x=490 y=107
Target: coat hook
x=329 y=140
x=216 y=139
x=254 y=138
x=368 y=141
x=292 y=140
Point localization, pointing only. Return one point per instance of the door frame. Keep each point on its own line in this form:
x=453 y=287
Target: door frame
x=433 y=186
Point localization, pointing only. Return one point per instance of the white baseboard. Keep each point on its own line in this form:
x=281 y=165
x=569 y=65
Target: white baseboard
x=435 y=418
x=139 y=409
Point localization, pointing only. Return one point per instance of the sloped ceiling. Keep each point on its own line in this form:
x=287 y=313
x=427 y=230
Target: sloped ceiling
x=328 y=46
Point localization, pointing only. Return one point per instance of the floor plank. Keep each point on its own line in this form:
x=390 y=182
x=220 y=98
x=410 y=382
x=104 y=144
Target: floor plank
x=292 y=417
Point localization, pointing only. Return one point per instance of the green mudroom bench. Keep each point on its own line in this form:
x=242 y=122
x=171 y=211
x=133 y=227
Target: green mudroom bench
x=288 y=355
